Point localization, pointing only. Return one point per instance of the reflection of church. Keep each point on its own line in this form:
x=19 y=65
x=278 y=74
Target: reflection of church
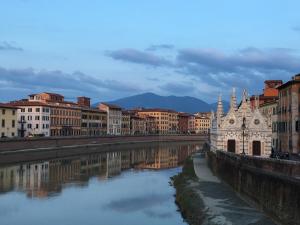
x=242 y=129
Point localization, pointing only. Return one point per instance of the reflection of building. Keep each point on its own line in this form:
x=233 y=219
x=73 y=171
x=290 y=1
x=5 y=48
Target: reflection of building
x=114 y=164
x=163 y=158
x=8 y=178
x=289 y=116
x=114 y=118
x=241 y=129
x=8 y=120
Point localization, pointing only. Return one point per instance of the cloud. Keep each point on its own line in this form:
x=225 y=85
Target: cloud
x=138 y=203
x=296 y=28
x=160 y=47
x=138 y=57
x=6 y=46
x=77 y=83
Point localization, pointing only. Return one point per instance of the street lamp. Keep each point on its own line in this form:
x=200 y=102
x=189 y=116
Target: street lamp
x=243 y=129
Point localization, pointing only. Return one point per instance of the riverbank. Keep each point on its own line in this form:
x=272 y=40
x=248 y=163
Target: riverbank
x=187 y=199
x=51 y=143
x=204 y=199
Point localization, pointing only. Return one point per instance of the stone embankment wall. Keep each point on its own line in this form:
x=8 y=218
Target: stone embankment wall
x=272 y=185
x=40 y=143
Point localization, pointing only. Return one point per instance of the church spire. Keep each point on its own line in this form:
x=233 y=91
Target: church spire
x=245 y=96
x=233 y=100
x=220 y=107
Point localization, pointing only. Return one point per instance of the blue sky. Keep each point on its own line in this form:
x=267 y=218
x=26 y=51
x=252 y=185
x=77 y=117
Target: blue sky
x=112 y=49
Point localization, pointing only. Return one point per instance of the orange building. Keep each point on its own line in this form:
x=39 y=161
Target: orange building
x=270 y=93
x=289 y=116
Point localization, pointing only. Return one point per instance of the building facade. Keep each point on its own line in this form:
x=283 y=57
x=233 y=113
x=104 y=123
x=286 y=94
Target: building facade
x=241 y=130
x=289 y=116
x=202 y=124
x=125 y=123
x=183 y=123
x=8 y=119
x=114 y=118
x=33 y=118
x=166 y=121
x=270 y=109
x=138 y=125
x=93 y=122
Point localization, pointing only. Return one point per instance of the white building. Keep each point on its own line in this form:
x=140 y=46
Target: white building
x=33 y=118
x=114 y=118
x=242 y=129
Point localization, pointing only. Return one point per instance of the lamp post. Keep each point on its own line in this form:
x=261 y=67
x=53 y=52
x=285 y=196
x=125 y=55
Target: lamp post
x=243 y=129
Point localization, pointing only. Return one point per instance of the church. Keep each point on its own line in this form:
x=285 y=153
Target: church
x=242 y=130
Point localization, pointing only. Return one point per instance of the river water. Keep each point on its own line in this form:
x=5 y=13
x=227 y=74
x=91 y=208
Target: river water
x=126 y=186
x=129 y=186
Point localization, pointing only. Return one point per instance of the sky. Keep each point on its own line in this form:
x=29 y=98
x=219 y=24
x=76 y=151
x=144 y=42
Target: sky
x=112 y=49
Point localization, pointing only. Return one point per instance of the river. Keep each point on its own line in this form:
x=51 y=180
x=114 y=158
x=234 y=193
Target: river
x=129 y=186
x=126 y=186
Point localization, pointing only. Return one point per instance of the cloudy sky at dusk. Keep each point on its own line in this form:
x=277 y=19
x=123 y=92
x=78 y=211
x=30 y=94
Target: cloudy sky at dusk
x=112 y=49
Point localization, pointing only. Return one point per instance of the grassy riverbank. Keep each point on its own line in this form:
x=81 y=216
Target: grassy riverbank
x=187 y=199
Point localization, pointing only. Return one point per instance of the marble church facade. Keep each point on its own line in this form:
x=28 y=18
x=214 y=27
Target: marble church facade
x=242 y=129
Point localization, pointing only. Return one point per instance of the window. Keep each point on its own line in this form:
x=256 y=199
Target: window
x=29 y=117
x=29 y=125
x=3 y=111
x=13 y=123
x=37 y=117
x=29 y=109
x=12 y=134
x=37 y=126
x=14 y=112
x=22 y=110
x=3 y=123
x=37 y=110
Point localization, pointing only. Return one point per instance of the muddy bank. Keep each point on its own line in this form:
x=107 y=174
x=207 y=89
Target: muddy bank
x=204 y=199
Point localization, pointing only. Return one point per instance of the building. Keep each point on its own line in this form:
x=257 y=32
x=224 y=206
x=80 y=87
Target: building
x=202 y=124
x=33 y=118
x=137 y=125
x=65 y=116
x=93 y=122
x=125 y=123
x=191 y=124
x=114 y=118
x=288 y=116
x=183 y=123
x=270 y=93
x=8 y=118
x=270 y=109
x=166 y=121
x=242 y=129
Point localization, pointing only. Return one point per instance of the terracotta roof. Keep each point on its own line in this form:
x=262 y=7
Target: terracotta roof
x=112 y=106
x=291 y=82
x=93 y=110
x=27 y=103
x=7 y=105
x=157 y=110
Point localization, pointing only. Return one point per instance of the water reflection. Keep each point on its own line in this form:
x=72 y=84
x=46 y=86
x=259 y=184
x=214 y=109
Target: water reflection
x=48 y=178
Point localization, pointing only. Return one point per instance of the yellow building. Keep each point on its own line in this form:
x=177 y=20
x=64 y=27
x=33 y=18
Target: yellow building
x=8 y=119
x=166 y=121
x=202 y=125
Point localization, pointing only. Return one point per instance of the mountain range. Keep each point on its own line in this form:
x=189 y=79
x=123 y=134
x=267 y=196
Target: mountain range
x=180 y=104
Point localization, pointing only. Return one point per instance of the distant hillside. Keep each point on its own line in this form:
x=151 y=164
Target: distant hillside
x=180 y=104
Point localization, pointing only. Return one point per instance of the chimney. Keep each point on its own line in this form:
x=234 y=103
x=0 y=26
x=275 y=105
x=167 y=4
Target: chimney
x=84 y=102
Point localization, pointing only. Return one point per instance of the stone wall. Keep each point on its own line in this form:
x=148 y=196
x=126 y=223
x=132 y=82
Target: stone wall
x=51 y=142
x=271 y=185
